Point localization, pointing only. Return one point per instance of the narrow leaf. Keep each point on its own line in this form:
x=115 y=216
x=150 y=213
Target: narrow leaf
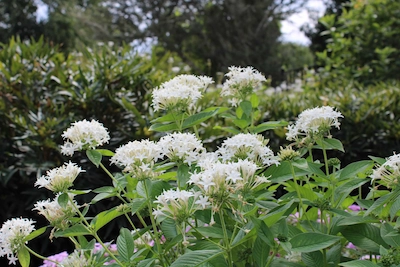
x=75 y=230
x=105 y=217
x=35 y=233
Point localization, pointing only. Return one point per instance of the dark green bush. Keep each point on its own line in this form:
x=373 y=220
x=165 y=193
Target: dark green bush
x=42 y=91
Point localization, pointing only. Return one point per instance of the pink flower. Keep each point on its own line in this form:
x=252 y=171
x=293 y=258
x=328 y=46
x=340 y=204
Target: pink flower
x=354 y=207
x=57 y=257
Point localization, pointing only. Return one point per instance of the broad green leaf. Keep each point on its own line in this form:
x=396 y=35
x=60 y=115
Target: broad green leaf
x=35 y=233
x=24 y=256
x=329 y=144
x=162 y=127
x=105 y=152
x=94 y=156
x=260 y=252
x=137 y=204
x=211 y=231
x=353 y=220
x=239 y=112
x=313 y=259
x=195 y=258
x=351 y=170
x=311 y=167
x=170 y=117
x=269 y=125
x=105 y=217
x=125 y=244
x=246 y=107
x=277 y=213
x=380 y=161
x=308 y=242
x=364 y=236
x=102 y=196
x=254 y=100
x=282 y=172
x=183 y=176
x=395 y=208
x=359 y=263
x=202 y=116
x=63 y=200
x=105 y=189
x=390 y=235
x=146 y=263
x=264 y=232
x=241 y=123
x=75 y=230
x=389 y=198
x=168 y=227
x=344 y=190
x=334 y=254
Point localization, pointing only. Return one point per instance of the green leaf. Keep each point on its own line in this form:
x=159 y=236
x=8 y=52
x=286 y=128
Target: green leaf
x=260 y=252
x=75 y=230
x=105 y=152
x=254 y=100
x=351 y=170
x=358 y=263
x=24 y=256
x=389 y=198
x=344 y=190
x=353 y=220
x=390 y=235
x=137 y=204
x=264 y=232
x=63 y=200
x=231 y=130
x=329 y=144
x=269 y=125
x=162 y=127
x=35 y=233
x=125 y=244
x=94 y=156
x=313 y=259
x=241 y=123
x=202 y=116
x=105 y=217
x=309 y=242
x=364 y=236
x=183 y=176
x=195 y=258
x=168 y=227
x=211 y=231
x=395 y=208
x=246 y=107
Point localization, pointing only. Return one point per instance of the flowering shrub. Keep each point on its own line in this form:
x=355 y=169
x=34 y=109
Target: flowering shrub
x=240 y=205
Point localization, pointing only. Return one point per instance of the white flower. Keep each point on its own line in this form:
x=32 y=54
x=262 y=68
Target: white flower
x=54 y=213
x=185 y=147
x=181 y=92
x=388 y=172
x=179 y=205
x=12 y=237
x=314 y=121
x=241 y=82
x=83 y=135
x=138 y=157
x=247 y=146
x=77 y=258
x=59 y=179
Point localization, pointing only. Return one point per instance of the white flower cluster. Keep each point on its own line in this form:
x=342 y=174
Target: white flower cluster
x=184 y=147
x=77 y=258
x=388 y=172
x=84 y=135
x=179 y=205
x=182 y=92
x=241 y=82
x=137 y=157
x=217 y=180
x=54 y=213
x=314 y=121
x=247 y=146
x=12 y=237
x=59 y=179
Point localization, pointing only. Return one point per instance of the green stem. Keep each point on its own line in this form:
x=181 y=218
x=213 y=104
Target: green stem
x=226 y=238
x=271 y=258
x=140 y=236
x=153 y=223
x=110 y=175
x=296 y=186
x=40 y=256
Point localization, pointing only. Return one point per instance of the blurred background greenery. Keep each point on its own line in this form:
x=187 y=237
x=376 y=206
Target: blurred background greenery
x=98 y=59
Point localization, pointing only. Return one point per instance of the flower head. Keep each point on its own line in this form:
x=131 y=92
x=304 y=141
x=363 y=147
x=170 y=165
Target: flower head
x=314 y=121
x=247 y=146
x=83 y=135
x=12 y=237
x=179 y=205
x=388 y=172
x=59 y=179
x=182 y=92
x=241 y=82
x=54 y=213
x=183 y=147
x=138 y=157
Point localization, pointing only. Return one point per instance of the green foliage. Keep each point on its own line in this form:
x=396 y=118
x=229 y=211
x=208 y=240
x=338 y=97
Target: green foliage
x=364 y=43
